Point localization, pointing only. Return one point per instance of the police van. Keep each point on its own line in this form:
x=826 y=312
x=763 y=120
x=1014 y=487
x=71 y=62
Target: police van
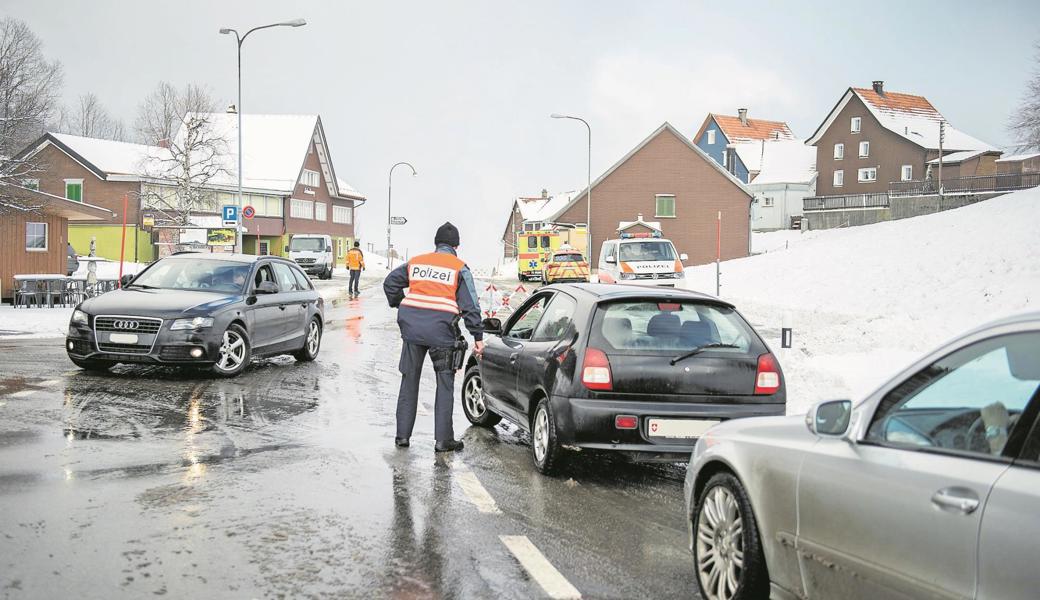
x=641 y=259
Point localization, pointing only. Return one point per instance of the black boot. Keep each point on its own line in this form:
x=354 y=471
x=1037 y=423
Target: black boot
x=401 y=442
x=449 y=446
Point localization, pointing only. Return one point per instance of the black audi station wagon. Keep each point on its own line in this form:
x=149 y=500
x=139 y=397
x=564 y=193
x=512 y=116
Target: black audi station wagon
x=212 y=310
x=640 y=370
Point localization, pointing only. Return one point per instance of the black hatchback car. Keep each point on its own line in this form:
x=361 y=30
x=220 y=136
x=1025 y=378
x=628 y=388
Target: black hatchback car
x=641 y=370
x=213 y=310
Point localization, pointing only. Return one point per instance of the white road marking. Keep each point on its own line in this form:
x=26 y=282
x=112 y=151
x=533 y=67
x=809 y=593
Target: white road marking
x=539 y=567
x=21 y=394
x=473 y=489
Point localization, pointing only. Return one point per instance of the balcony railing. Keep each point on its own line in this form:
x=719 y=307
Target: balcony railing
x=1003 y=182
x=879 y=200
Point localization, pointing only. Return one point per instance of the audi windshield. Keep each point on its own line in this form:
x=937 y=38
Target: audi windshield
x=194 y=274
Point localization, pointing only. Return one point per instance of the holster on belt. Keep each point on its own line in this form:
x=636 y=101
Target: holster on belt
x=450 y=359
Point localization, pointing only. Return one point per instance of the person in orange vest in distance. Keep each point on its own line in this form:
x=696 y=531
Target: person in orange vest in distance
x=431 y=293
x=356 y=264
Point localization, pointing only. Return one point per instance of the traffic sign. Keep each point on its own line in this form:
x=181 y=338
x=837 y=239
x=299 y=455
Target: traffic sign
x=398 y=220
x=148 y=220
x=230 y=215
x=248 y=212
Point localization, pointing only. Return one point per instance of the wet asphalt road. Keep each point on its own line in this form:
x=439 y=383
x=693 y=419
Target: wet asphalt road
x=284 y=482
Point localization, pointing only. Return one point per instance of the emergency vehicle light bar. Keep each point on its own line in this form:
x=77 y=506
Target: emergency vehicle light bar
x=626 y=236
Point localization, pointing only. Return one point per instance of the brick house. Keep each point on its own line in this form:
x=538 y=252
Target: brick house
x=670 y=180
x=1019 y=164
x=719 y=136
x=531 y=213
x=873 y=137
x=288 y=178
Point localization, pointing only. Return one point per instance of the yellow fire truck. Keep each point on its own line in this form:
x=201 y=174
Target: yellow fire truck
x=536 y=247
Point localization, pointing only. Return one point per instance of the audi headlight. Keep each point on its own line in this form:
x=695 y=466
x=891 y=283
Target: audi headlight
x=196 y=323
x=78 y=316
x=627 y=276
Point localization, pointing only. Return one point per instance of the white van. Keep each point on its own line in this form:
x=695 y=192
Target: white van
x=314 y=253
x=641 y=259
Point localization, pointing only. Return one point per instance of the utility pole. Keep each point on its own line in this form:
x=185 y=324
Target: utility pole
x=942 y=138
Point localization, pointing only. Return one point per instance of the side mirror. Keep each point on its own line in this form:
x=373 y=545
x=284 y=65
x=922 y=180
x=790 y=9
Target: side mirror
x=684 y=257
x=610 y=260
x=267 y=287
x=126 y=280
x=830 y=419
x=492 y=326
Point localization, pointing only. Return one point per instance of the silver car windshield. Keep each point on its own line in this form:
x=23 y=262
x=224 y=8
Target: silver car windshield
x=194 y=274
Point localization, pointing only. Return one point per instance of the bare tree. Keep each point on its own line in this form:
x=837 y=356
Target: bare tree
x=196 y=156
x=160 y=114
x=1025 y=124
x=29 y=90
x=89 y=118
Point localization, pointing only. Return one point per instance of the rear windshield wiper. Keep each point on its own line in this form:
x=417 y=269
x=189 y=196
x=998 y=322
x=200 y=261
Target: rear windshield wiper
x=698 y=350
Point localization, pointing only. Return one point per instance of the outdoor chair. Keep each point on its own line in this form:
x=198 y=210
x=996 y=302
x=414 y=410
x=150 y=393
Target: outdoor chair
x=53 y=289
x=27 y=293
x=75 y=291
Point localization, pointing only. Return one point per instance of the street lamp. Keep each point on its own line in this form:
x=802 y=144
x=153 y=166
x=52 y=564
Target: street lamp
x=238 y=109
x=588 y=197
x=389 y=201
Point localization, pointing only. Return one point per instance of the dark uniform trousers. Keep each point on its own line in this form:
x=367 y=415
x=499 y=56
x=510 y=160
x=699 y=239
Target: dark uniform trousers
x=412 y=358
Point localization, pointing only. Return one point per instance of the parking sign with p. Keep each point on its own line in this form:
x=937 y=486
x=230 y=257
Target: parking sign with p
x=230 y=214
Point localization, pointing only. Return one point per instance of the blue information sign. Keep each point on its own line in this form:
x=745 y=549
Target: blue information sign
x=230 y=213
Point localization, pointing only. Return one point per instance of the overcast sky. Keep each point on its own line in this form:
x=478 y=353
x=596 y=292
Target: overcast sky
x=463 y=90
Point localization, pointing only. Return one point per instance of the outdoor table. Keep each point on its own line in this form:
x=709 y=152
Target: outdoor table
x=42 y=278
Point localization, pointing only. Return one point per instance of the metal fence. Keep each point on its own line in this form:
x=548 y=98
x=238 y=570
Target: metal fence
x=879 y=200
x=1002 y=182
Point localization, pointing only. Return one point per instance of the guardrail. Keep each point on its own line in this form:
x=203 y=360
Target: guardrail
x=879 y=200
x=1003 y=182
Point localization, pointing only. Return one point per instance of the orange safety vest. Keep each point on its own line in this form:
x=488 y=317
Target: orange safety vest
x=433 y=280
x=355 y=259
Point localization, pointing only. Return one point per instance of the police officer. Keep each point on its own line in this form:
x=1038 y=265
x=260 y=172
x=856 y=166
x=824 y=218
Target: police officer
x=431 y=292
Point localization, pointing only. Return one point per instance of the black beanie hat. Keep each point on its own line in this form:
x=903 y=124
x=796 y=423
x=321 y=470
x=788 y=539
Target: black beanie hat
x=447 y=234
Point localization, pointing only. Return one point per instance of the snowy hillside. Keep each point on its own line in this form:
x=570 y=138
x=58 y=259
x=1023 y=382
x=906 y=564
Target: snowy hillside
x=865 y=301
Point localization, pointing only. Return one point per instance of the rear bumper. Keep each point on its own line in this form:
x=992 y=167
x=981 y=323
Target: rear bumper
x=589 y=423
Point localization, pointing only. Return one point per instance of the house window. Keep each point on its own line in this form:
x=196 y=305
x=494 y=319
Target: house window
x=906 y=173
x=711 y=137
x=310 y=178
x=301 y=209
x=74 y=189
x=867 y=175
x=767 y=202
x=320 y=211
x=839 y=178
x=864 y=149
x=856 y=124
x=32 y=184
x=339 y=247
x=36 y=237
x=725 y=154
x=665 y=205
x=839 y=151
x=342 y=214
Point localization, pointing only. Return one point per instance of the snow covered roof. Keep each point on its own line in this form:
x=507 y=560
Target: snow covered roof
x=537 y=208
x=756 y=129
x=1018 y=157
x=779 y=161
x=110 y=157
x=909 y=116
x=959 y=157
x=623 y=225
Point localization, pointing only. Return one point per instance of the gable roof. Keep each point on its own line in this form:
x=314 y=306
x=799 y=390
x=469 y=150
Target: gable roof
x=778 y=161
x=54 y=205
x=908 y=116
x=537 y=208
x=665 y=127
x=756 y=129
x=100 y=157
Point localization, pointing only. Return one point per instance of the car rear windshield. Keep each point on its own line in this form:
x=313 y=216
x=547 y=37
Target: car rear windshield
x=670 y=326
x=564 y=258
x=194 y=274
x=660 y=250
x=311 y=244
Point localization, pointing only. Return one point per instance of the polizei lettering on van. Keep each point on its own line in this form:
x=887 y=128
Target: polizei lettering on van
x=431 y=273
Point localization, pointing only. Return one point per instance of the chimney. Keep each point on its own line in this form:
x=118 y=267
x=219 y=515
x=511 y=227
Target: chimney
x=879 y=87
x=545 y=193
x=742 y=113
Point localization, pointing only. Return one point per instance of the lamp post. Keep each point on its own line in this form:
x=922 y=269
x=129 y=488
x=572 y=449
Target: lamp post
x=588 y=189
x=389 y=202
x=238 y=108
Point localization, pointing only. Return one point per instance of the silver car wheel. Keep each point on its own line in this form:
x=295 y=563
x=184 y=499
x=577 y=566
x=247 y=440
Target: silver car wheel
x=541 y=434
x=313 y=338
x=475 y=397
x=232 y=351
x=720 y=550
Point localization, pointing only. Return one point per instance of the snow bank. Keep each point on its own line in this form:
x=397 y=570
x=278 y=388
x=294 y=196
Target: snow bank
x=864 y=301
x=28 y=323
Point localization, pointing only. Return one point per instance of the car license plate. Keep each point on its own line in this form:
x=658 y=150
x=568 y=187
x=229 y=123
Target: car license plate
x=122 y=338
x=679 y=428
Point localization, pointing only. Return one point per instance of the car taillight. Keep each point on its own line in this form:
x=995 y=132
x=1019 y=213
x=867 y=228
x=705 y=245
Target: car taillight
x=595 y=371
x=626 y=422
x=767 y=380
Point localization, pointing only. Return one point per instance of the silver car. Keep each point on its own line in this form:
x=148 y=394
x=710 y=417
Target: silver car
x=928 y=488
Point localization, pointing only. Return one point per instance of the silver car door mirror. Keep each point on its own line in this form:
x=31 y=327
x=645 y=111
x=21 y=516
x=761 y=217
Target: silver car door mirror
x=830 y=419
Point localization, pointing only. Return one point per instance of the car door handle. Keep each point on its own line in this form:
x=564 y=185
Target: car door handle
x=956 y=499
x=513 y=357
x=281 y=306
